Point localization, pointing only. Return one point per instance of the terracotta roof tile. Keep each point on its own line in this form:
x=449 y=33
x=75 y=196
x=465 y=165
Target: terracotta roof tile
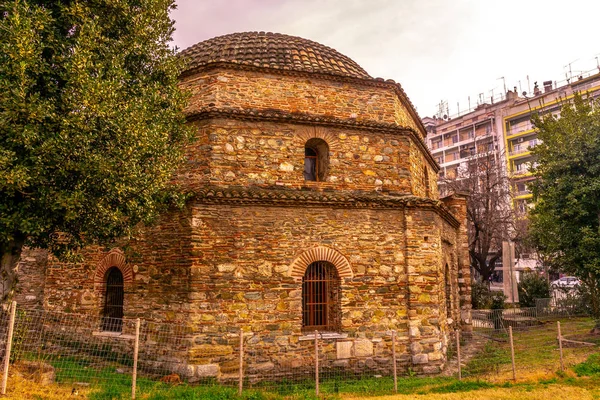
x=273 y=50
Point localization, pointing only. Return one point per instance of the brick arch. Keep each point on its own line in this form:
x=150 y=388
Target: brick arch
x=114 y=258
x=320 y=253
x=312 y=132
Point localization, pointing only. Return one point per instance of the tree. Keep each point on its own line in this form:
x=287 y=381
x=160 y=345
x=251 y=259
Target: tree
x=565 y=221
x=489 y=214
x=91 y=122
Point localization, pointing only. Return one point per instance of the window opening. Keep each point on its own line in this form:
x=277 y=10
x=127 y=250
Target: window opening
x=321 y=297
x=316 y=160
x=113 y=301
x=311 y=164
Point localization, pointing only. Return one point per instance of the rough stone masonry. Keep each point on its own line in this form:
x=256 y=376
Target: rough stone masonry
x=237 y=256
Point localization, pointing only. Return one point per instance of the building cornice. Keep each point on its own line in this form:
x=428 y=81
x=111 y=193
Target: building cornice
x=247 y=196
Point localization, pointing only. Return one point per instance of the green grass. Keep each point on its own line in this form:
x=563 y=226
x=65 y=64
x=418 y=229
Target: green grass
x=590 y=367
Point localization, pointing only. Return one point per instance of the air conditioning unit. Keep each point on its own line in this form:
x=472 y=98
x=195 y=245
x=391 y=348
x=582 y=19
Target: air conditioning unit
x=520 y=140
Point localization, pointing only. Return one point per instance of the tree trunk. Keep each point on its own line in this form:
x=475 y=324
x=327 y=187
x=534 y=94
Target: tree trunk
x=11 y=253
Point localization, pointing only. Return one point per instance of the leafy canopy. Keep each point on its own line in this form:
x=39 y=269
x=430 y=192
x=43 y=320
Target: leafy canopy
x=91 y=119
x=565 y=222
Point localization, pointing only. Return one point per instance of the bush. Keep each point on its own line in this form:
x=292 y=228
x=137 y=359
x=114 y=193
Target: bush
x=531 y=287
x=482 y=298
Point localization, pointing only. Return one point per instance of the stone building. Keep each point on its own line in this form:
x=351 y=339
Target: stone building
x=315 y=207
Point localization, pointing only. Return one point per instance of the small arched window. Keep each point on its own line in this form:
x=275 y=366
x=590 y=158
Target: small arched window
x=112 y=320
x=316 y=160
x=321 y=297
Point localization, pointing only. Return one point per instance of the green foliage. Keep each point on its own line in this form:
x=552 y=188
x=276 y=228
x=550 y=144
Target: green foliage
x=531 y=287
x=565 y=222
x=589 y=367
x=482 y=298
x=91 y=119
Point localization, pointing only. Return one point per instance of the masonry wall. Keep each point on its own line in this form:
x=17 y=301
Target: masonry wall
x=158 y=261
x=31 y=278
x=246 y=90
x=229 y=152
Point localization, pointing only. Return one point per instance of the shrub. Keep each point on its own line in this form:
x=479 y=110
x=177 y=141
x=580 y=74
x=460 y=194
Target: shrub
x=483 y=298
x=531 y=287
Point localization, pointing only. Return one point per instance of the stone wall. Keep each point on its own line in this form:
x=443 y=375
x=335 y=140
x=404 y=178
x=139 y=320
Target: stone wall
x=31 y=278
x=155 y=264
x=269 y=154
x=245 y=90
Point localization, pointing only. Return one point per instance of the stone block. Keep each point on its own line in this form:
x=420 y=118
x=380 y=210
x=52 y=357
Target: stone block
x=431 y=369
x=344 y=350
x=263 y=367
x=420 y=359
x=207 y=370
x=363 y=348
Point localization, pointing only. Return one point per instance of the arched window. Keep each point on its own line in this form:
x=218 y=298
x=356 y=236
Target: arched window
x=316 y=160
x=321 y=297
x=112 y=320
x=448 y=287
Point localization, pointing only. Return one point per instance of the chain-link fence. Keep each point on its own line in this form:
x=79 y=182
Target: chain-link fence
x=141 y=356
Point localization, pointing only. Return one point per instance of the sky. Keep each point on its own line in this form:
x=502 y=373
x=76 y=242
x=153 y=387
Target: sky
x=438 y=50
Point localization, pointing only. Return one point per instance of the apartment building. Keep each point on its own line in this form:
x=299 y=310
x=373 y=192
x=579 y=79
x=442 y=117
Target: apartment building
x=520 y=135
x=504 y=129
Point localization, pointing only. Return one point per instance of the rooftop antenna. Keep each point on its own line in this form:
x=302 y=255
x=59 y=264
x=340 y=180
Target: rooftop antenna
x=597 y=63
x=528 y=85
x=570 y=71
x=469 y=99
x=504 y=80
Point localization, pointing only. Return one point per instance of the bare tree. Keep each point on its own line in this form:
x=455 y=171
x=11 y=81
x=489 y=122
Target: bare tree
x=489 y=212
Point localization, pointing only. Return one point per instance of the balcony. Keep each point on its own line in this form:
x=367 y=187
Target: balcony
x=520 y=172
x=523 y=127
x=522 y=193
x=524 y=147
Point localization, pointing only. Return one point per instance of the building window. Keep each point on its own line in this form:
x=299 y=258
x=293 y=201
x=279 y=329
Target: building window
x=321 y=298
x=316 y=160
x=112 y=320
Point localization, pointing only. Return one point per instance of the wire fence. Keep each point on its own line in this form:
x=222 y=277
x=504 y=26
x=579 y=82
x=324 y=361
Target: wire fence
x=77 y=350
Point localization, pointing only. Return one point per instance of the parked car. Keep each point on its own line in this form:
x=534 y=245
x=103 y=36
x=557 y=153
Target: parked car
x=566 y=282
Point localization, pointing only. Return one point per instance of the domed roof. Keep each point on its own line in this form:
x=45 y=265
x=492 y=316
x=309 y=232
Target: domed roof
x=272 y=50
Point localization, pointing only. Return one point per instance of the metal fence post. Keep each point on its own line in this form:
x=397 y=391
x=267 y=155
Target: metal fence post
x=136 y=347
x=562 y=365
x=458 y=354
x=394 y=361
x=241 y=378
x=11 y=328
x=317 y=363
x=512 y=352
